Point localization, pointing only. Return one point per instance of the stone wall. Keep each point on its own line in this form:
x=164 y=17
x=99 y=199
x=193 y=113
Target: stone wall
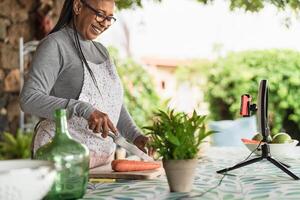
x=18 y=18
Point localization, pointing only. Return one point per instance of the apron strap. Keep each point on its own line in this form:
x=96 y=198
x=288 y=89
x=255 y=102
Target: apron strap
x=33 y=137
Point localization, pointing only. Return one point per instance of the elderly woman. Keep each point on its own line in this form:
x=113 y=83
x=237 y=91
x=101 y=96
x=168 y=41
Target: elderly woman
x=71 y=71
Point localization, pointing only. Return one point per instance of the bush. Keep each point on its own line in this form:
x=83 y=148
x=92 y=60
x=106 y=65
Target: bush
x=141 y=97
x=240 y=73
x=16 y=146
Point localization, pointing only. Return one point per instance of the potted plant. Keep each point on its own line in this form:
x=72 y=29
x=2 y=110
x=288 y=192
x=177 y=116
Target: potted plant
x=176 y=137
x=15 y=146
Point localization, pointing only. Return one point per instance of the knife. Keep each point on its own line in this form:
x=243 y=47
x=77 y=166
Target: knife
x=121 y=141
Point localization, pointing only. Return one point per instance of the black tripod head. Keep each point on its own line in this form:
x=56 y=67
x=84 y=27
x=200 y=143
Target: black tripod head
x=262 y=109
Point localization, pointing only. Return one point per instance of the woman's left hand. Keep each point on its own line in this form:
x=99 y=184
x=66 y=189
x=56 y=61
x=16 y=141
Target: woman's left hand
x=141 y=142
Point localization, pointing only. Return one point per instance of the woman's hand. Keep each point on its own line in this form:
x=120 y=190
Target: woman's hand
x=100 y=122
x=141 y=142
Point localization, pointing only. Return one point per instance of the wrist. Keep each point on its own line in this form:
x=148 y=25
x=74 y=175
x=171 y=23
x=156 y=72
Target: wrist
x=89 y=112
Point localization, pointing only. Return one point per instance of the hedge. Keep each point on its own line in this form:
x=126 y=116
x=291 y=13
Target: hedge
x=241 y=72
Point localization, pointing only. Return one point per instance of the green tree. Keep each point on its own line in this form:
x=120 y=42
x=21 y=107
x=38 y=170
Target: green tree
x=126 y=4
x=257 y=5
x=226 y=79
x=240 y=73
x=247 y=5
x=141 y=97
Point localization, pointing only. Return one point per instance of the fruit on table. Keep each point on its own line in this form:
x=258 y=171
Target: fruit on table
x=259 y=137
x=279 y=134
x=133 y=165
x=247 y=141
x=282 y=138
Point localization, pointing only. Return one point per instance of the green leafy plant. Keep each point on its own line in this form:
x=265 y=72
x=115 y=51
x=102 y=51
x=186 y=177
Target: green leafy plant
x=176 y=135
x=15 y=147
x=140 y=97
x=252 y=6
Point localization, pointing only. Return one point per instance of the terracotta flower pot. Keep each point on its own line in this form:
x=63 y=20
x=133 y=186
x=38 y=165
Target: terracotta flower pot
x=180 y=174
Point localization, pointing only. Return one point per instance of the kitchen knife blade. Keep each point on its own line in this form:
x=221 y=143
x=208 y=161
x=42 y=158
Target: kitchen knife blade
x=121 y=141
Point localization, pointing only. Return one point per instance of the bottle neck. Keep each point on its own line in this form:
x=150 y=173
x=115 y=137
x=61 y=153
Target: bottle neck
x=61 y=126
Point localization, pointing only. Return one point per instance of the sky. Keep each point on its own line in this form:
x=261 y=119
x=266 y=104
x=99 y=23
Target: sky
x=187 y=29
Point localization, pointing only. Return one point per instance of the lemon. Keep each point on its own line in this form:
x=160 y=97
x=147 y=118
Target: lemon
x=279 y=134
x=282 y=138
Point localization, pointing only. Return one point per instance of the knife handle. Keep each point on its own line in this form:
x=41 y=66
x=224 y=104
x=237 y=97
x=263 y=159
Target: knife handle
x=113 y=135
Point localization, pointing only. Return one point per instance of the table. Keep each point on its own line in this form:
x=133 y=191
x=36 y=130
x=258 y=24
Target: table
x=261 y=180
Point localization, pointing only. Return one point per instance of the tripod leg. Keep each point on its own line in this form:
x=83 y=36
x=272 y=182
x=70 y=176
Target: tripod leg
x=279 y=165
x=286 y=165
x=248 y=162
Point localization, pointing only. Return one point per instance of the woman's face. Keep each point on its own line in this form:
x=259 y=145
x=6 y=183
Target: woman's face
x=87 y=23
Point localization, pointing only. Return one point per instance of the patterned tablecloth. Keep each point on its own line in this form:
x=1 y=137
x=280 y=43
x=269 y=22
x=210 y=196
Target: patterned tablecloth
x=261 y=180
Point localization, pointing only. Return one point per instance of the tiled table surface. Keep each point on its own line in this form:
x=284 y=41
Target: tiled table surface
x=261 y=180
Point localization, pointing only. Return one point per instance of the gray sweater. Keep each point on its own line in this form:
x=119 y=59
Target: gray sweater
x=55 y=80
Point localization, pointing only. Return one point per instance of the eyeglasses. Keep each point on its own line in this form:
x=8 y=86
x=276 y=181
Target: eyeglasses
x=100 y=17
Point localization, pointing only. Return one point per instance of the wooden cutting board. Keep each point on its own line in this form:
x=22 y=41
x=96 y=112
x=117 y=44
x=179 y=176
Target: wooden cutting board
x=107 y=172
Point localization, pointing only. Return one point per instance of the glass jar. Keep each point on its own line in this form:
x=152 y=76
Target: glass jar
x=71 y=159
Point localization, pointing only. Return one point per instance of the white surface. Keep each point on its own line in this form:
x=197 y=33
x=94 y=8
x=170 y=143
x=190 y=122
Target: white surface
x=187 y=29
x=25 y=179
x=287 y=150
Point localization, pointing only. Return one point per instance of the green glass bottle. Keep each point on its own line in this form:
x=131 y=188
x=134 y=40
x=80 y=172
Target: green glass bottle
x=71 y=159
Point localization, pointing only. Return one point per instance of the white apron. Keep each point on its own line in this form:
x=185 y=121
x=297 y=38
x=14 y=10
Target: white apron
x=109 y=102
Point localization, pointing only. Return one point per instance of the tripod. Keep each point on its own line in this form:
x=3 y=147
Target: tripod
x=262 y=116
x=265 y=155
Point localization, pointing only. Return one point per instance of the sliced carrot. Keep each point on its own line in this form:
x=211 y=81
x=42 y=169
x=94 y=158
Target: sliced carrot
x=133 y=165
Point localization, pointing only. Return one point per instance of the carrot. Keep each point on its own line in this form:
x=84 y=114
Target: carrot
x=133 y=165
